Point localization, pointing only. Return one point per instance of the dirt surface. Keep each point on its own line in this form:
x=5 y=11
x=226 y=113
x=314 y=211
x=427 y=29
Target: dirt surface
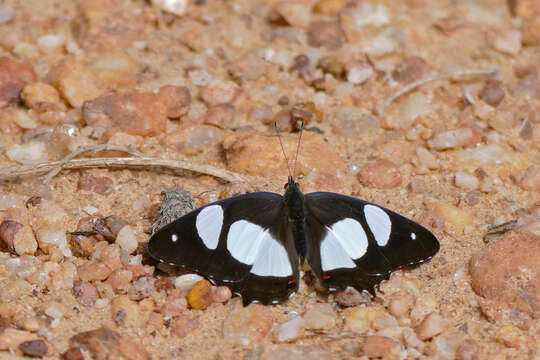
x=204 y=81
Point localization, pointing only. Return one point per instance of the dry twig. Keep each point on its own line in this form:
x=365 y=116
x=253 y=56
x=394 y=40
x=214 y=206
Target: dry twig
x=52 y=168
x=452 y=75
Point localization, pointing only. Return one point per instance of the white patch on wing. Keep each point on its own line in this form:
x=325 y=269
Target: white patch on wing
x=174 y=238
x=209 y=223
x=351 y=236
x=243 y=241
x=413 y=236
x=333 y=255
x=272 y=259
x=379 y=223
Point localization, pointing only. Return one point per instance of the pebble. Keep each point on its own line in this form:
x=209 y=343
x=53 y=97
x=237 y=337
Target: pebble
x=50 y=239
x=296 y=14
x=75 y=82
x=492 y=93
x=104 y=343
x=93 y=270
x=530 y=179
x=352 y=121
x=30 y=324
x=247 y=325
x=329 y=7
x=360 y=319
x=380 y=347
x=424 y=305
x=55 y=310
x=180 y=325
x=199 y=297
x=467 y=350
x=33 y=348
x=101 y=185
x=50 y=42
x=401 y=305
x=432 y=325
x=7 y=13
x=452 y=139
x=11 y=338
x=187 y=281
x=142 y=288
x=380 y=174
x=25 y=119
x=320 y=317
x=327 y=34
x=29 y=153
x=290 y=330
x=127 y=240
x=411 y=339
x=507 y=42
x=411 y=69
x=116 y=68
x=466 y=181
x=416 y=105
x=14 y=76
x=120 y=280
x=219 y=92
x=125 y=312
x=177 y=99
x=358 y=72
x=134 y=112
x=85 y=292
x=426 y=158
x=173 y=306
x=220 y=116
x=352 y=297
x=383 y=320
x=17 y=238
x=447 y=343
x=177 y=7
x=73 y=353
x=291 y=351
x=199 y=77
x=514 y=255
x=221 y=294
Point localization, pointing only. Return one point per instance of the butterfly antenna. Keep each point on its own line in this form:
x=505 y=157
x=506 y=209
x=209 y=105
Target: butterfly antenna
x=282 y=148
x=298 y=148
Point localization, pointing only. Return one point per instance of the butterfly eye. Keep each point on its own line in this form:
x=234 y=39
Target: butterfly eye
x=285 y=186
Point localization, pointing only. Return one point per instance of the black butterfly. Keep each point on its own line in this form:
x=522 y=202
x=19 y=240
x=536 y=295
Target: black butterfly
x=252 y=243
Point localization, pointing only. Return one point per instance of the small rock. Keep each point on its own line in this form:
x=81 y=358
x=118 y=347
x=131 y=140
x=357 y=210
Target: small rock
x=50 y=238
x=104 y=343
x=50 y=42
x=8 y=230
x=41 y=97
x=199 y=296
x=320 y=317
x=11 y=338
x=411 y=340
x=467 y=350
x=295 y=14
x=110 y=256
x=7 y=13
x=85 y=292
x=31 y=324
x=380 y=174
x=248 y=67
x=291 y=351
x=466 y=181
x=508 y=42
x=142 y=288
x=247 y=325
x=125 y=312
x=120 y=280
x=290 y=330
x=411 y=69
x=177 y=99
x=401 y=305
x=379 y=346
x=199 y=77
x=326 y=34
x=492 y=93
x=452 y=139
x=220 y=116
x=75 y=82
x=423 y=306
x=177 y=7
x=132 y=111
x=432 y=325
x=221 y=294
x=93 y=270
x=55 y=310
x=127 y=240
x=360 y=319
x=358 y=71
x=180 y=325
x=13 y=77
x=33 y=348
x=116 y=68
x=28 y=153
x=74 y=353
x=25 y=119
x=352 y=121
x=416 y=106
x=530 y=179
x=514 y=255
x=352 y=297
x=174 y=306
x=426 y=158
x=329 y=7
x=219 y=92
x=187 y=281
x=383 y=320
x=100 y=185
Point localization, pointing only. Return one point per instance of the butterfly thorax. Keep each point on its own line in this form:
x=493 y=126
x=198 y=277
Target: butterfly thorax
x=294 y=201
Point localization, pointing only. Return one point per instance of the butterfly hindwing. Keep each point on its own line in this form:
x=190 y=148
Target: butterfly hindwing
x=357 y=243
x=243 y=242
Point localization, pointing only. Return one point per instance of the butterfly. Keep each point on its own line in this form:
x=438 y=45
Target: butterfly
x=253 y=243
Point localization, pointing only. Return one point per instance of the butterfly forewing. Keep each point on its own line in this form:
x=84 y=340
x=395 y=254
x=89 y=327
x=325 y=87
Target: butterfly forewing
x=242 y=242
x=357 y=243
